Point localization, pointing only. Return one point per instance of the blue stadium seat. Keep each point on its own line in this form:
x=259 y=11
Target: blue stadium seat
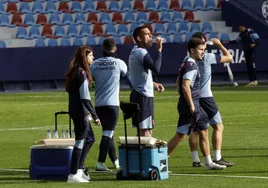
x=110 y=29
x=101 y=39
x=162 y=5
x=37 y=7
x=76 y=6
x=91 y=40
x=52 y=42
x=65 y=42
x=198 y=5
x=171 y=28
x=225 y=37
x=150 y=5
x=159 y=28
x=40 y=43
x=89 y=7
x=207 y=27
x=210 y=4
x=59 y=31
x=67 y=18
x=114 y=6
x=165 y=17
x=2 y=8
x=188 y=36
x=85 y=30
x=78 y=42
x=177 y=38
x=80 y=18
x=195 y=27
x=141 y=17
x=126 y=6
x=24 y=7
x=29 y=19
x=186 y=4
x=212 y=35
x=105 y=17
x=117 y=40
x=184 y=28
x=51 y=7
x=177 y=16
x=129 y=17
x=2 y=44
x=54 y=18
x=21 y=33
x=4 y=20
x=72 y=31
x=34 y=32
x=122 y=29
x=167 y=37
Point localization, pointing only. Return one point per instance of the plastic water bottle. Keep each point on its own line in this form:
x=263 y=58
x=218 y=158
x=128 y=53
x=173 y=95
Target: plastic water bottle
x=48 y=134
x=55 y=134
x=163 y=39
x=62 y=134
x=209 y=42
x=67 y=135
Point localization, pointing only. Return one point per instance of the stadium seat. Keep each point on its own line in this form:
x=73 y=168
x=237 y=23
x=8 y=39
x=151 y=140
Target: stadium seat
x=40 y=43
x=138 y=5
x=110 y=29
x=104 y=17
x=59 y=31
x=92 y=18
x=128 y=40
x=184 y=28
x=188 y=36
x=101 y=6
x=114 y=6
x=51 y=7
x=186 y=4
x=12 y=7
x=72 y=31
x=37 y=7
x=132 y=27
x=117 y=17
x=195 y=27
x=167 y=37
x=162 y=5
x=150 y=5
x=153 y=17
x=80 y=18
x=78 y=42
x=219 y=4
x=76 y=6
x=67 y=18
x=91 y=40
x=122 y=30
x=4 y=20
x=97 y=29
x=117 y=40
x=52 y=42
x=54 y=18
x=41 y=19
x=210 y=4
x=21 y=33
x=177 y=16
x=212 y=35
x=85 y=30
x=141 y=17
x=2 y=44
x=225 y=37
x=171 y=28
x=129 y=17
x=177 y=38
x=29 y=19
x=2 y=8
x=101 y=39
x=17 y=20
x=24 y=7
x=64 y=7
x=89 y=7
x=159 y=29
x=34 y=32
x=65 y=42
x=47 y=31
x=165 y=17
x=207 y=27
x=126 y=6
x=189 y=16
x=174 y=5
x=198 y=5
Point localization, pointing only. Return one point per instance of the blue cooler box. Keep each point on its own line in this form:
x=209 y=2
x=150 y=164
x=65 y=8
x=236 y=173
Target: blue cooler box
x=154 y=162
x=50 y=162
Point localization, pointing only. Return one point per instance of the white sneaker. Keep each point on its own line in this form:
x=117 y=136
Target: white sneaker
x=102 y=167
x=214 y=166
x=116 y=164
x=75 y=178
x=83 y=175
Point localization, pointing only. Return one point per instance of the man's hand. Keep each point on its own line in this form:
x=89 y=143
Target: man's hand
x=192 y=109
x=216 y=42
x=159 y=42
x=159 y=87
x=97 y=122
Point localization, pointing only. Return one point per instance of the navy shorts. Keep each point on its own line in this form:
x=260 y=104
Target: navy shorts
x=210 y=107
x=146 y=115
x=108 y=116
x=188 y=123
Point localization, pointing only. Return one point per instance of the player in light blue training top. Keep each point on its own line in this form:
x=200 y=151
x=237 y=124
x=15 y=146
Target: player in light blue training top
x=208 y=104
x=106 y=71
x=141 y=66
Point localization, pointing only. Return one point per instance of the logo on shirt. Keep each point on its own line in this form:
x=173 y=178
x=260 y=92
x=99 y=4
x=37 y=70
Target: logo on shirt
x=265 y=10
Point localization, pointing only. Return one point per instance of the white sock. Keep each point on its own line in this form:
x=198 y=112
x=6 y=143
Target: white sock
x=208 y=159
x=195 y=156
x=217 y=155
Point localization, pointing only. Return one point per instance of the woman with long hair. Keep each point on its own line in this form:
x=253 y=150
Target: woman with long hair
x=78 y=80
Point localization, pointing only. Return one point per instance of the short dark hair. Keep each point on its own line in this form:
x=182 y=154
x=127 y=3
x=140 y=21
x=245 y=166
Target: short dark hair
x=137 y=32
x=194 y=42
x=200 y=35
x=108 y=44
x=242 y=25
